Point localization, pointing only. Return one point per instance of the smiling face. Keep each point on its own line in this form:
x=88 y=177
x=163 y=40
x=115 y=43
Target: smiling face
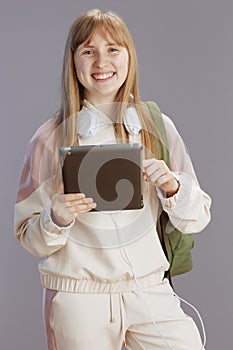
x=102 y=67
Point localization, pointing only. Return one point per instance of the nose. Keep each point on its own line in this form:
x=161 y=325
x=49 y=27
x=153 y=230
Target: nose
x=101 y=60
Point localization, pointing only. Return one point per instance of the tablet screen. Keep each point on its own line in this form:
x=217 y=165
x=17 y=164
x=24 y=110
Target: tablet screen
x=111 y=174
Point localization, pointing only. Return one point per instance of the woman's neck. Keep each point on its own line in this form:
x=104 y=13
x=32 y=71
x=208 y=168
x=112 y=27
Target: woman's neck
x=108 y=108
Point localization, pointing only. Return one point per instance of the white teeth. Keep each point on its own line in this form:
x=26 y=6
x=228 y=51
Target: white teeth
x=102 y=76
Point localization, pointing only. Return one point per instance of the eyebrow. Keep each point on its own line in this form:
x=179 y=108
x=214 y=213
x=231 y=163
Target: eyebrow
x=91 y=46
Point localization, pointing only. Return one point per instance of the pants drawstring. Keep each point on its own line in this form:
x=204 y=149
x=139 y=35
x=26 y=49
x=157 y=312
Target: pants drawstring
x=122 y=319
x=112 y=318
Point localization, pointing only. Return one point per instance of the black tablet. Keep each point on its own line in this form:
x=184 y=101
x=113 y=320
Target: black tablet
x=110 y=173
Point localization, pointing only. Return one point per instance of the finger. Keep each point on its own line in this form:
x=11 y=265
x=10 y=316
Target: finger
x=155 y=176
x=152 y=169
x=63 y=198
x=145 y=177
x=77 y=210
x=74 y=196
x=148 y=162
x=80 y=201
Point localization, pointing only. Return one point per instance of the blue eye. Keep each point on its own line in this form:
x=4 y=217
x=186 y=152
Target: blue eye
x=88 y=52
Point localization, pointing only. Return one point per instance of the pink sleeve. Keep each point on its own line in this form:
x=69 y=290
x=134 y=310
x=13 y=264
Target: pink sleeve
x=179 y=157
x=33 y=225
x=189 y=208
x=38 y=160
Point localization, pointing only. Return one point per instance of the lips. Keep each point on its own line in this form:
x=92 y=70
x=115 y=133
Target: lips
x=103 y=76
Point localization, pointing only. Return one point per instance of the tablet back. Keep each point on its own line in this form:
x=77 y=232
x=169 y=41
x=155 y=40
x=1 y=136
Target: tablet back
x=110 y=173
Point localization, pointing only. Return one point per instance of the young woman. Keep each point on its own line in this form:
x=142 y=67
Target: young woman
x=103 y=272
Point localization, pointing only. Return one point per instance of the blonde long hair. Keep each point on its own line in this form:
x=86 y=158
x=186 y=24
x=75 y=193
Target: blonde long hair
x=82 y=30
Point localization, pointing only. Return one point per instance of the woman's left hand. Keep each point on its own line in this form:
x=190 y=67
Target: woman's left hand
x=157 y=172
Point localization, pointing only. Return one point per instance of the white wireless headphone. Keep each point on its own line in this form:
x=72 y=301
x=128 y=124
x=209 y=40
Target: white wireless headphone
x=88 y=121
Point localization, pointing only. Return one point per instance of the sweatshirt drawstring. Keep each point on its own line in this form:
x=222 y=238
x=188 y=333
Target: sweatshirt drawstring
x=112 y=318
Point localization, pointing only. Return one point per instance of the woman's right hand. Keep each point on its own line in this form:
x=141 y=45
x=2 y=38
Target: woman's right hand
x=65 y=207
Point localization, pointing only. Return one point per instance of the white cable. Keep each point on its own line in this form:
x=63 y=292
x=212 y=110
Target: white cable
x=199 y=316
x=126 y=259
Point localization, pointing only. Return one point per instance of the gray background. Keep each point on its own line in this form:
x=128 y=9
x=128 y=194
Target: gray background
x=185 y=63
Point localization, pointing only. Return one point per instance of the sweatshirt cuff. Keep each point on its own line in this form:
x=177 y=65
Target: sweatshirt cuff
x=51 y=230
x=185 y=186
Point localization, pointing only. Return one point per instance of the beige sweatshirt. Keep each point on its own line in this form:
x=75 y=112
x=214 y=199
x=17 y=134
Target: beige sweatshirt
x=103 y=252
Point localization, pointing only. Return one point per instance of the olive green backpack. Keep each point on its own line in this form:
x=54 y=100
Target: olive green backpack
x=176 y=245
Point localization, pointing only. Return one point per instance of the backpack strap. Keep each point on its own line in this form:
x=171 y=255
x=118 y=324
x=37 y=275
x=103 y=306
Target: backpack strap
x=156 y=115
x=176 y=245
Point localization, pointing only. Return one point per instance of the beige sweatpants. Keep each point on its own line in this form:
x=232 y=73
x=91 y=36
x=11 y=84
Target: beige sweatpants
x=76 y=321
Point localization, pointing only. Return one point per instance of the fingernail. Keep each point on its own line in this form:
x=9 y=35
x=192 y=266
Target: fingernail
x=89 y=200
x=92 y=205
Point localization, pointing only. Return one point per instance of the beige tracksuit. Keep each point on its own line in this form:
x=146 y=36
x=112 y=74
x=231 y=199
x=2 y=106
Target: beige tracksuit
x=103 y=274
